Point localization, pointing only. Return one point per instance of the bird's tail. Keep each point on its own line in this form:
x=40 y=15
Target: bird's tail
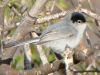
x=22 y=42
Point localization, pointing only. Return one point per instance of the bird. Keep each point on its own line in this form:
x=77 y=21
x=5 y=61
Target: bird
x=65 y=33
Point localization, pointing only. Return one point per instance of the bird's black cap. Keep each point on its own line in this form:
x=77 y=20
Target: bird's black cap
x=77 y=16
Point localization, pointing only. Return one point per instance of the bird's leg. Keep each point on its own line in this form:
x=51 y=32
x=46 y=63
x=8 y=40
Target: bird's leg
x=58 y=56
x=68 y=59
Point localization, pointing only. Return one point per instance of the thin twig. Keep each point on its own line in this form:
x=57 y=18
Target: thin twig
x=1 y=30
x=71 y=1
x=79 y=71
x=59 y=15
x=25 y=26
x=14 y=10
x=90 y=14
x=5 y=2
x=59 y=7
x=98 y=25
x=27 y=57
x=48 y=6
x=91 y=6
x=93 y=10
x=40 y=51
x=88 y=39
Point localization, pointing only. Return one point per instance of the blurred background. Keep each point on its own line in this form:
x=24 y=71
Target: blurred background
x=52 y=7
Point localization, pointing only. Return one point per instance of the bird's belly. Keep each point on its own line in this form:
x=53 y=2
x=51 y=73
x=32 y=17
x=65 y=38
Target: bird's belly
x=59 y=46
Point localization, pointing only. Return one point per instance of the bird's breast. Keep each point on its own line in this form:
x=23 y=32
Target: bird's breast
x=59 y=46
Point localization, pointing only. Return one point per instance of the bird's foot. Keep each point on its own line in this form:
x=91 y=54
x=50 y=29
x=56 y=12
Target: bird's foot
x=68 y=51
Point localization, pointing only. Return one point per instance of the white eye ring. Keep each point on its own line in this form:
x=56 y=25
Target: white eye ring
x=79 y=21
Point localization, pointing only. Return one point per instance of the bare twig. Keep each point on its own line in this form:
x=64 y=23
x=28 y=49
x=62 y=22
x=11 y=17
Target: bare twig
x=59 y=64
x=68 y=59
x=59 y=7
x=71 y=1
x=93 y=57
x=91 y=6
x=40 y=51
x=93 y=10
x=88 y=39
x=98 y=25
x=5 y=2
x=23 y=6
x=48 y=68
x=41 y=20
x=14 y=10
x=27 y=57
x=1 y=29
x=43 y=70
x=79 y=3
x=59 y=15
x=86 y=71
x=49 y=8
x=24 y=27
x=52 y=7
x=90 y=14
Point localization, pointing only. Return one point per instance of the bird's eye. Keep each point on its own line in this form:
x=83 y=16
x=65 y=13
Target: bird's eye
x=79 y=21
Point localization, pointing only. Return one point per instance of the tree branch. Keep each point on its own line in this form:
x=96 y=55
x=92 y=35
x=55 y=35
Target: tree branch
x=56 y=65
x=25 y=26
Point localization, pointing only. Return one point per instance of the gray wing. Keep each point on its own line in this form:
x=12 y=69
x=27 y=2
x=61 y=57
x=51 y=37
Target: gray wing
x=60 y=30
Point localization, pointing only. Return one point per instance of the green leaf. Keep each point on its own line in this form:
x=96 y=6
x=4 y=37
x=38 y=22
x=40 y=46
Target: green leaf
x=12 y=32
x=51 y=58
x=14 y=1
x=35 y=58
x=81 y=67
x=16 y=61
x=0 y=1
x=19 y=68
x=62 y=4
x=6 y=12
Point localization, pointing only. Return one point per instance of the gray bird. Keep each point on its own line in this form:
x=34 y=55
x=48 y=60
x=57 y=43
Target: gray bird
x=65 y=33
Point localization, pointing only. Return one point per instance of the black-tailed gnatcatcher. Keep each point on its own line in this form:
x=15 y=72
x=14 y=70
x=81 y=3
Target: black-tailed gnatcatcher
x=67 y=32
